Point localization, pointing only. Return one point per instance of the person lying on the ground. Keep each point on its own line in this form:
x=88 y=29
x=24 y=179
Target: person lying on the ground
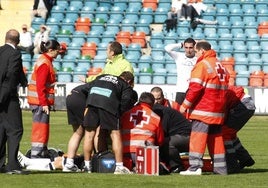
x=48 y=164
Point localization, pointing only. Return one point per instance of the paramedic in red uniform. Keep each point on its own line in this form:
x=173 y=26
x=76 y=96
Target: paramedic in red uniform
x=160 y=99
x=240 y=108
x=140 y=126
x=41 y=97
x=205 y=106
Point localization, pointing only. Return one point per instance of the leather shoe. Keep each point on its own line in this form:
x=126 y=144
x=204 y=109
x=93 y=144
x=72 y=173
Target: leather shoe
x=20 y=172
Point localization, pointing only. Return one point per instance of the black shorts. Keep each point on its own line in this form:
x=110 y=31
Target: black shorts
x=75 y=104
x=97 y=116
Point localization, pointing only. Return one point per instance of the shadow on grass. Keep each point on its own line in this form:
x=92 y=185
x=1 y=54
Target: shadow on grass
x=250 y=170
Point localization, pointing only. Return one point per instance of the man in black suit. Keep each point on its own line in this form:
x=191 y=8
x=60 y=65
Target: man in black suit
x=11 y=128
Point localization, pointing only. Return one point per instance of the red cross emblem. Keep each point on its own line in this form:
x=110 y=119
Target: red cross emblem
x=221 y=71
x=139 y=118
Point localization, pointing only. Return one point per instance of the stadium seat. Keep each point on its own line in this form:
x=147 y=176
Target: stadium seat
x=139 y=37
x=145 y=76
x=236 y=12
x=122 y=4
x=211 y=33
x=89 y=49
x=132 y=57
x=105 y=3
x=93 y=36
x=250 y=12
x=134 y=6
x=263 y=28
x=77 y=73
x=252 y=56
x=234 y=5
x=72 y=12
x=156 y=66
x=172 y=77
x=57 y=12
x=128 y=25
x=117 y=13
x=64 y=75
x=94 y=71
x=256 y=79
x=221 y=4
x=153 y=4
x=66 y=64
x=265 y=80
x=228 y=63
x=67 y=24
x=56 y=64
x=98 y=63
x=36 y=22
x=78 y=37
x=98 y=25
x=143 y=26
x=134 y=48
x=164 y=4
x=83 y=24
x=77 y=3
x=124 y=37
x=156 y=38
x=113 y=26
x=198 y=34
x=131 y=17
x=159 y=76
x=160 y=15
x=87 y=12
x=107 y=36
x=64 y=36
x=242 y=78
x=248 y=6
x=102 y=12
x=147 y=14
x=222 y=11
x=92 y=4
x=170 y=38
x=254 y=66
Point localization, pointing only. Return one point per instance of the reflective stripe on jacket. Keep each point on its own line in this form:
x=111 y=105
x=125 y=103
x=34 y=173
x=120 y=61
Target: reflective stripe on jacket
x=32 y=96
x=140 y=125
x=206 y=97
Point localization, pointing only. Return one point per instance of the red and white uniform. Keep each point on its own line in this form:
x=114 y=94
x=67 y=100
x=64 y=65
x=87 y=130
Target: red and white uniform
x=41 y=93
x=171 y=104
x=205 y=103
x=140 y=125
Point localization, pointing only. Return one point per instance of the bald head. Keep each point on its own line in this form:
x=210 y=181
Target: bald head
x=13 y=37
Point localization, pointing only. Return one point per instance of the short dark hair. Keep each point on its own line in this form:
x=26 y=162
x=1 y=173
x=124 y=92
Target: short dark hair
x=13 y=36
x=116 y=47
x=157 y=89
x=147 y=97
x=189 y=40
x=50 y=44
x=127 y=76
x=203 y=45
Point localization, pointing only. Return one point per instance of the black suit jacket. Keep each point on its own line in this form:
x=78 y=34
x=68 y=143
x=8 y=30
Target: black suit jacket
x=11 y=73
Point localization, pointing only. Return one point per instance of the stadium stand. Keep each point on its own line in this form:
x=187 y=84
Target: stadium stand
x=242 y=30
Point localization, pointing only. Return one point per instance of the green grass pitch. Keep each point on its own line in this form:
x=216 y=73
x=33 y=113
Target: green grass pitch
x=253 y=136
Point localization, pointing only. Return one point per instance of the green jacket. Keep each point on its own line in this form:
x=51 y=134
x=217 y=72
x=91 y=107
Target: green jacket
x=114 y=67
